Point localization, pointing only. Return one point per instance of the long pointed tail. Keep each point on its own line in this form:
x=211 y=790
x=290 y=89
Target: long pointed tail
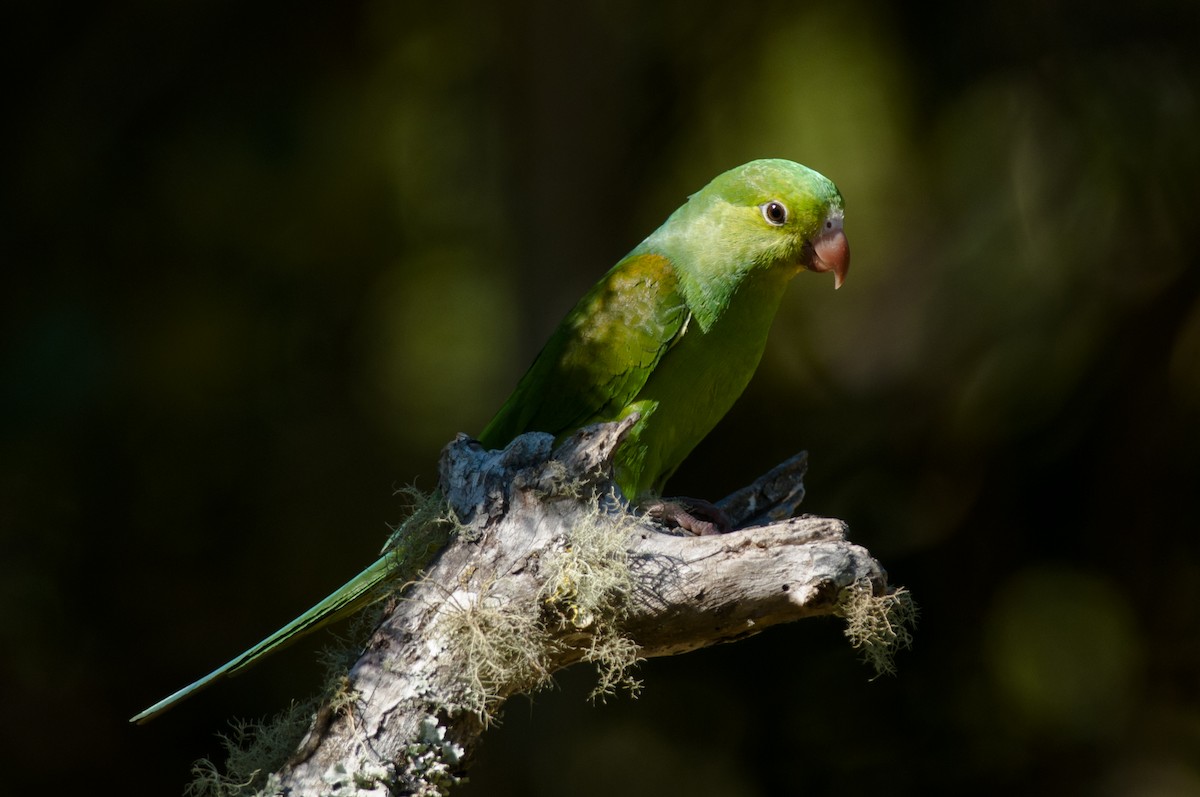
x=350 y=597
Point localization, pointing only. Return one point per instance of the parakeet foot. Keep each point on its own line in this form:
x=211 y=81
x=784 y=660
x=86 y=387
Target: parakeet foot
x=693 y=515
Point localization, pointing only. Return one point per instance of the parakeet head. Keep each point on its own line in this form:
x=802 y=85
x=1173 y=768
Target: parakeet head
x=765 y=214
x=784 y=213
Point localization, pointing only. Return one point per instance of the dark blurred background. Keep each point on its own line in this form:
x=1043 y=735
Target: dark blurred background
x=263 y=260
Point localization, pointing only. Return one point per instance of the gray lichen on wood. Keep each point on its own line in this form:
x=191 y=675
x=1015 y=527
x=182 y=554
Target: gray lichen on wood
x=550 y=568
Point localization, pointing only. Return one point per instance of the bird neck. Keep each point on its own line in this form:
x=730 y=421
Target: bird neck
x=714 y=273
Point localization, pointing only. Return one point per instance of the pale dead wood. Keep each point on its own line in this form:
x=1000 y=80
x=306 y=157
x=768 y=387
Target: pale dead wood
x=484 y=623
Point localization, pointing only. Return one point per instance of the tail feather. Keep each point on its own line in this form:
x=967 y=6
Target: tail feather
x=350 y=597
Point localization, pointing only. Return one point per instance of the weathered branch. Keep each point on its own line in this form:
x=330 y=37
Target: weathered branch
x=550 y=568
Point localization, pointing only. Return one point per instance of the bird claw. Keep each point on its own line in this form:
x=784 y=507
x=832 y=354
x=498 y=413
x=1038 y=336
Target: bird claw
x=692 y=515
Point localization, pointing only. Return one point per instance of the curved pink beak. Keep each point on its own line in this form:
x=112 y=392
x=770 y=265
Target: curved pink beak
x=831 y=252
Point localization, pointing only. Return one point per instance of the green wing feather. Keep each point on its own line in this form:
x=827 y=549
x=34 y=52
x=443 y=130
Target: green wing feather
x=601 y=354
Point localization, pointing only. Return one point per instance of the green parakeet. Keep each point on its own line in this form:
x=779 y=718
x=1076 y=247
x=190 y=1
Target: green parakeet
x=674 y=331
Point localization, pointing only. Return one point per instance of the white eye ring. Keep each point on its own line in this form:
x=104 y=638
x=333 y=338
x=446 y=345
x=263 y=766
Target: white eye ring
x=774 y=212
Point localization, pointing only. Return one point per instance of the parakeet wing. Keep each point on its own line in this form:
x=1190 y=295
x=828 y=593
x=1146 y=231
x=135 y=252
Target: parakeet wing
x=600 y=355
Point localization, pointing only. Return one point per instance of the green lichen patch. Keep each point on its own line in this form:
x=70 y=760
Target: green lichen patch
x=430 y=766
x=878 y=625
x=498 y=647
x=252 y=749
x=586 y=585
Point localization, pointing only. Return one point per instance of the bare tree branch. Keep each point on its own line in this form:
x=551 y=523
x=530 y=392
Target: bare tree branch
x=549 y=568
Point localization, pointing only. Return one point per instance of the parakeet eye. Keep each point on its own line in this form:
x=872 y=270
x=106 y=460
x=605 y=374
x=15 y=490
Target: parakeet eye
x=774 y=212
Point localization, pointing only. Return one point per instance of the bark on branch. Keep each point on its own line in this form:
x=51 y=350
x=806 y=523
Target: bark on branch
x=549 y=568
